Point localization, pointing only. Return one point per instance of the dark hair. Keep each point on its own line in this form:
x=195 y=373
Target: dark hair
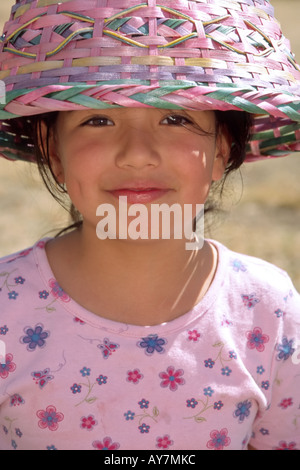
x=42 y=157
x=236 y=124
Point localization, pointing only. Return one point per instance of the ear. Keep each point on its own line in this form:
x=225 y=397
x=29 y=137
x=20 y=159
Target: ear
x=222 y=154
x=49 y=146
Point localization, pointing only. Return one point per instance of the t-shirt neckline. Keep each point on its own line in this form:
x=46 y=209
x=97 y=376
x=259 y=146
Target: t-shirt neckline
x=71 y=307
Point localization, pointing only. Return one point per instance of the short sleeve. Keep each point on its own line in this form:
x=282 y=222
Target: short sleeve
x=278 y=427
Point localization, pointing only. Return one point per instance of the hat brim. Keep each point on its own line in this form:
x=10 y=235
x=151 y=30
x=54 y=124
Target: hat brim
x=271 y=136
x=231 y=55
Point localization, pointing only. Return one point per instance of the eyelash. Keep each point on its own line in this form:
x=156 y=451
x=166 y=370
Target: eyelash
x=98 y=122
x=175 y=117
x=172 y=120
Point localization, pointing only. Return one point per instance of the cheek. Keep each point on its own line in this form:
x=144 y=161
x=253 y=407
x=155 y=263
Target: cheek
x=196 y=169
x=82 y=161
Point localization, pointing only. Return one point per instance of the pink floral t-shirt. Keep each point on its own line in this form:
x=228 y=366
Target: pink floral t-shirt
x=222 y=376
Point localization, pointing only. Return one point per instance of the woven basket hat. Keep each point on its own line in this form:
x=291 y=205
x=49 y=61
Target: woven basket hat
x=60 y=55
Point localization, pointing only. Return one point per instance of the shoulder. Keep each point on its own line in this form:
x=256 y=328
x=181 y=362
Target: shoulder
x=22 y=255
x=18 y=268
x=252 y=272
x=256 y=291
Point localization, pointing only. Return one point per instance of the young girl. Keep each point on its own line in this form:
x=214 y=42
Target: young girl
x=128 y=342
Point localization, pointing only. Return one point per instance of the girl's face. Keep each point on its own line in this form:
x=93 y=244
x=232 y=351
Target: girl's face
x=149 y=155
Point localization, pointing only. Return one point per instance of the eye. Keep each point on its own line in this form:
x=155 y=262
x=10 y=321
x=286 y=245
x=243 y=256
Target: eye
x=176 y=120
x=98 y=121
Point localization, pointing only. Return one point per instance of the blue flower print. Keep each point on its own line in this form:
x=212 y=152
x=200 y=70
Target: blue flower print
x=43 y=294
x=3 y=330
x=209 y=363
x=144 y=428
x=13 y=295
x=19 y=280
x=208 y=391
x=102 y=379
x=232 y=355
x=218 y=405
x=265 y=385
x=85 y=372
x=279 y=313
x=237 y=265
x=192 y=403
x=129 y=415
x=76 y=389
x=35 y=337
x=264 y=431
x=226 y=371
x=243 y=410
x=285 y=349
x=143 y=403
x=151 y=344
x=260 y=370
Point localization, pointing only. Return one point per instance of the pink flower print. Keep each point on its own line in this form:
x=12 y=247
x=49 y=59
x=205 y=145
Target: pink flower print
x=219 y=440
x=7 y=367
x=134 y=376
x=49 y=418
x=164 y=442
x=41 y=244
x=250 y=300
x=25 y=252
x=286 y=446
x=171 y=378
x=193 y=335
x=107 y=444
x=285 y=403
x=256 y=339
x=57 y=291
x=88 y=422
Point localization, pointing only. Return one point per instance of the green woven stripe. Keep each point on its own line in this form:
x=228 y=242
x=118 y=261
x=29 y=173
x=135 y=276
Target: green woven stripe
x=118 y=23
x=276 y=141
x=225 y=95
x=89 y=102
x=269 y=134
x=5 y=115
x=153 y=97
x=174 y=23
x=13 y=95
x=290 y=111
x=153 y=101
x=69 y=93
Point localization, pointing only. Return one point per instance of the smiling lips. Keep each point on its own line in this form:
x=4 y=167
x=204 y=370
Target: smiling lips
x=140 y=195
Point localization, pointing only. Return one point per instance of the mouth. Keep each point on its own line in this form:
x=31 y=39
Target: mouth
x=140 y=195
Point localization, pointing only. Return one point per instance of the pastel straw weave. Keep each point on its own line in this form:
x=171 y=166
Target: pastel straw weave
x=194 y=55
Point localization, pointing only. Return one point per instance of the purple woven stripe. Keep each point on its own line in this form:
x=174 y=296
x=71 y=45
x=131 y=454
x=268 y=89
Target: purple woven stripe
x=83 y=75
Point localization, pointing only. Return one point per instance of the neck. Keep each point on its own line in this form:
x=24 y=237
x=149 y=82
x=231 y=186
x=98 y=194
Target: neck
x=139 y=282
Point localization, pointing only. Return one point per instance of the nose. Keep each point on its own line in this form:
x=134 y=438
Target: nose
x=138 y=148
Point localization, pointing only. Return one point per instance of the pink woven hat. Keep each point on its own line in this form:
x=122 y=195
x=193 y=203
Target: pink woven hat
x=60 y=55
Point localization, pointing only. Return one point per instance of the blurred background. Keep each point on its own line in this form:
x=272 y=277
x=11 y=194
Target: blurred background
x=262 y=201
